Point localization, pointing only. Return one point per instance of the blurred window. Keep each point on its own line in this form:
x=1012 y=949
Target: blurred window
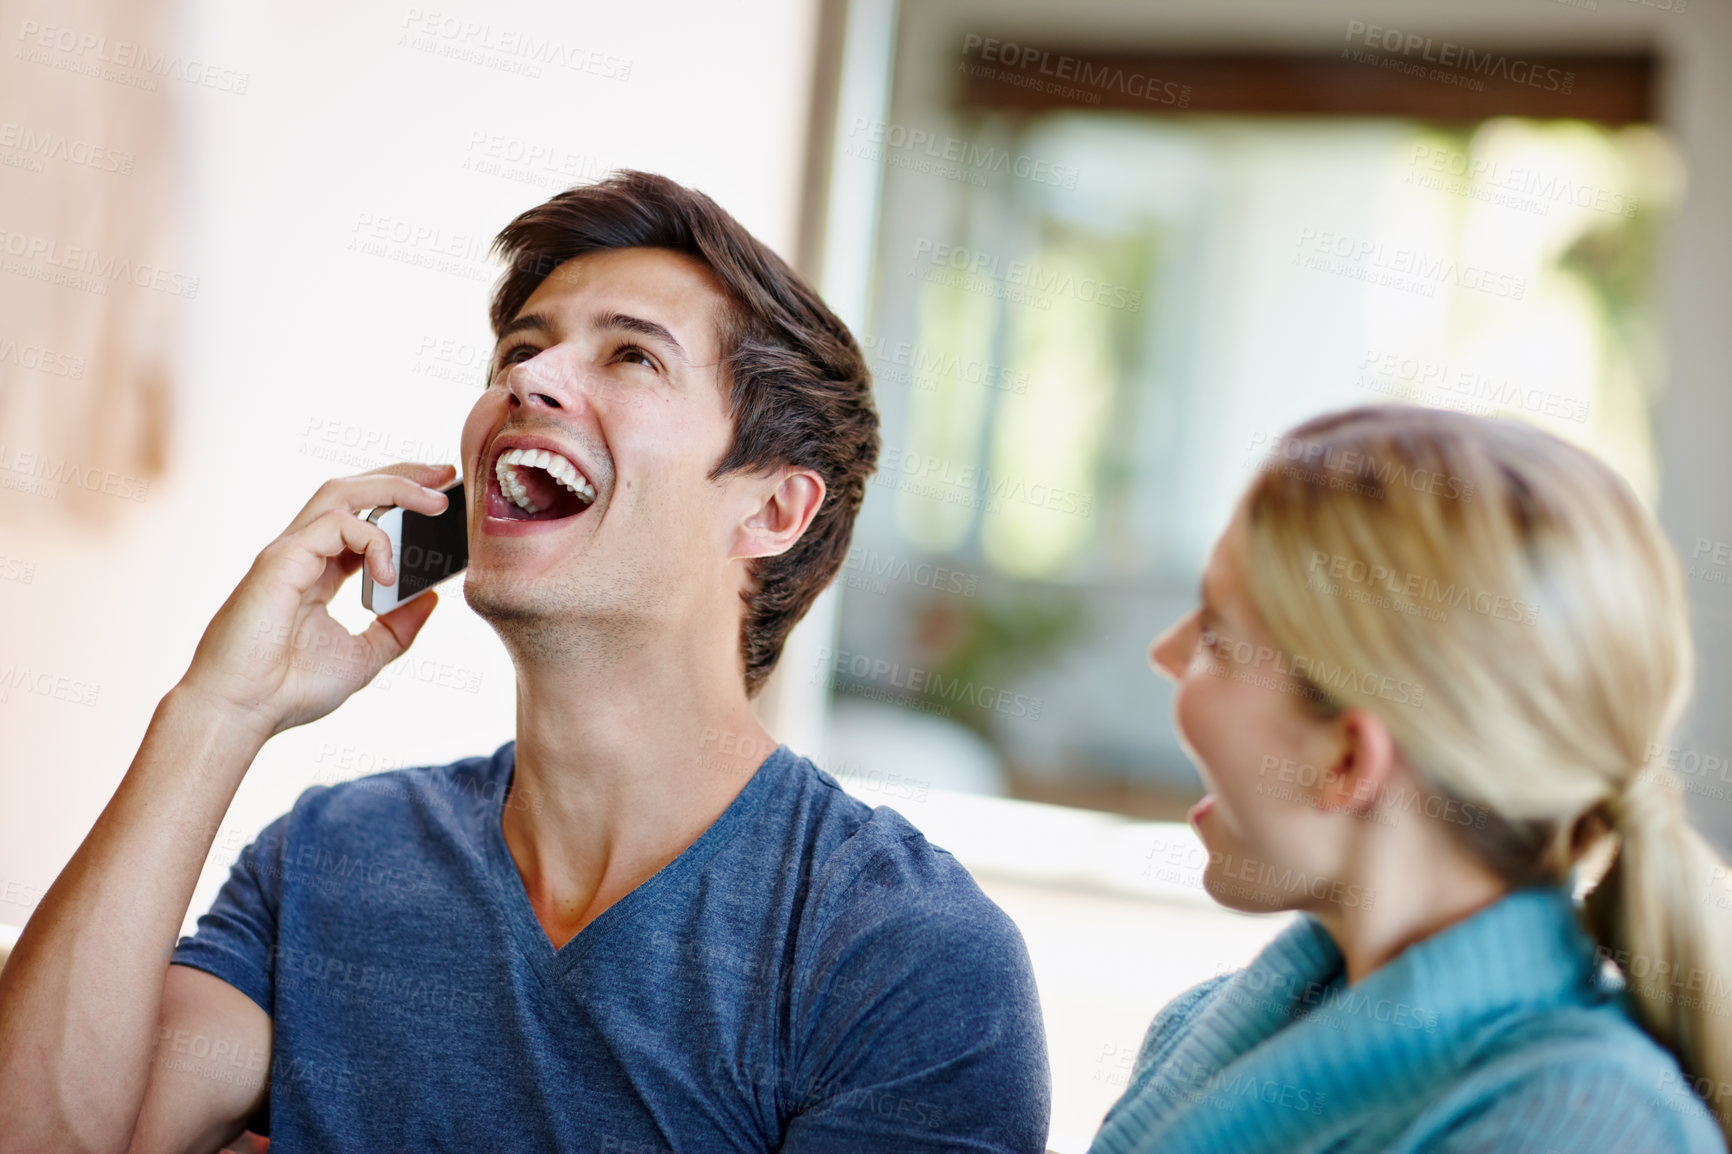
x=1088 y=326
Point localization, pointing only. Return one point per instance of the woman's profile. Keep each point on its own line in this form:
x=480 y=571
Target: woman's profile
x=1432 y=657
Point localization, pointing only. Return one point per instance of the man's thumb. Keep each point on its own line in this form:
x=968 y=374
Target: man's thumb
x=391 y=633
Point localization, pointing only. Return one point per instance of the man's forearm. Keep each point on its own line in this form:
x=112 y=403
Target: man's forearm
x=81 y=994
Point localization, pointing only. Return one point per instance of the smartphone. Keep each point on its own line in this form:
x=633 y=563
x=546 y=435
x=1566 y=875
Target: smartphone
x=426 y=550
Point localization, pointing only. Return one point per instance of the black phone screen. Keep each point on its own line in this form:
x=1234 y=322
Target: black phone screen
x=434 y=548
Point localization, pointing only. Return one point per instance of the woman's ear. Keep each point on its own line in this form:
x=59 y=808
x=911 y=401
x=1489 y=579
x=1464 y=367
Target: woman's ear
x=1364 y=765
x=783 y=511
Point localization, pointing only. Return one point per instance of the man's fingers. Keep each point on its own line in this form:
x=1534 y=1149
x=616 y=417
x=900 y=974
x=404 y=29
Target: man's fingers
x=301 y=556
x=408 y=485
x=345 y=564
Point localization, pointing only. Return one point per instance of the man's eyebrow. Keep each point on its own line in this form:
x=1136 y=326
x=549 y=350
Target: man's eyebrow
x=619 y=322
x=527 y=321
x=614 y=321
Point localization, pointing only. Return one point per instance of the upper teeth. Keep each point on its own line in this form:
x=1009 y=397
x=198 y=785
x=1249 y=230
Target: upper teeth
x=553 y=464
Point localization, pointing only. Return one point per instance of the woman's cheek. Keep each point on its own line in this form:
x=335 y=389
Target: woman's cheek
x=1194 y=717
x=1223 y=734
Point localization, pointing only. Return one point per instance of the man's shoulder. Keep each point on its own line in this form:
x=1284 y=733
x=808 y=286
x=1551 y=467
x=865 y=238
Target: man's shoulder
x=847 y=837
x=444 y=793
x=873 y=869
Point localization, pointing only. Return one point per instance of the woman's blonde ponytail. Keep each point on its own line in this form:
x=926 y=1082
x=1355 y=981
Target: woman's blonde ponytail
x=1659 y=913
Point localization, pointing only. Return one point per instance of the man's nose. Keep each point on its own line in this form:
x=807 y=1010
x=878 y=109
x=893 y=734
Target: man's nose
x=542 y=382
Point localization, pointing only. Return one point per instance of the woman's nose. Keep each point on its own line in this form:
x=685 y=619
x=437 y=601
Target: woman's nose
x=1168 y=653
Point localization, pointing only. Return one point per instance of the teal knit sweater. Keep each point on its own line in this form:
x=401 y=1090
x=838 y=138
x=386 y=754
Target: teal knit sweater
x=1501 y=1033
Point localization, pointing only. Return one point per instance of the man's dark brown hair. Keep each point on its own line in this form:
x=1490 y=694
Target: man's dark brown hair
x=799 y=392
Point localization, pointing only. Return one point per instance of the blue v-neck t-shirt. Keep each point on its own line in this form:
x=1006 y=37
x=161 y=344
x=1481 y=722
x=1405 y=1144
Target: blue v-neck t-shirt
x=810 y=975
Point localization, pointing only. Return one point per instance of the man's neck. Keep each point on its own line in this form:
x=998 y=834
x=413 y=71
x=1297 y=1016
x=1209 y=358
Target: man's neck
x=622 y=763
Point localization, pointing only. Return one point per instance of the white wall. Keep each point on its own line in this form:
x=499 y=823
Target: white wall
x=294 y=338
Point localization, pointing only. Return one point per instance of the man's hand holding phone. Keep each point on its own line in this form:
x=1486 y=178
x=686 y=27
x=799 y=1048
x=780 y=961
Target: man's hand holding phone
x=94 y=950
x=273 y=654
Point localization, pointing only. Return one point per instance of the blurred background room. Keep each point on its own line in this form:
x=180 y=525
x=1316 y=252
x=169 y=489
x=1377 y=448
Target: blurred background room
x=1099 y=254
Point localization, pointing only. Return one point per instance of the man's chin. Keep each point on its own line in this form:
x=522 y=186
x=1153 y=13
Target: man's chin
x=549 y=605
x=572 y=607
x=500 y=597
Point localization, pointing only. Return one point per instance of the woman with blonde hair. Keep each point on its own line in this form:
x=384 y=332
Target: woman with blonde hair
x=1433 y=655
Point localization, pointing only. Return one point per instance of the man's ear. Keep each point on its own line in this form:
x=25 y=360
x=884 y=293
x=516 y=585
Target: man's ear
x=784 y=510
x=1364 y=766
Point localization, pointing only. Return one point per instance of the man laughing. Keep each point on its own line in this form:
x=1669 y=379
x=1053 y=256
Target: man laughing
x=640 y=926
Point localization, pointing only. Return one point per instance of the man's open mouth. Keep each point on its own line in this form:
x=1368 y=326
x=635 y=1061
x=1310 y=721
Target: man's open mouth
x=537 y=485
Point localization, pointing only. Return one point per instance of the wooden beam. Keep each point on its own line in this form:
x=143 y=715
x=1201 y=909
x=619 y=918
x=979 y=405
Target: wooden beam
x=1436 y=81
